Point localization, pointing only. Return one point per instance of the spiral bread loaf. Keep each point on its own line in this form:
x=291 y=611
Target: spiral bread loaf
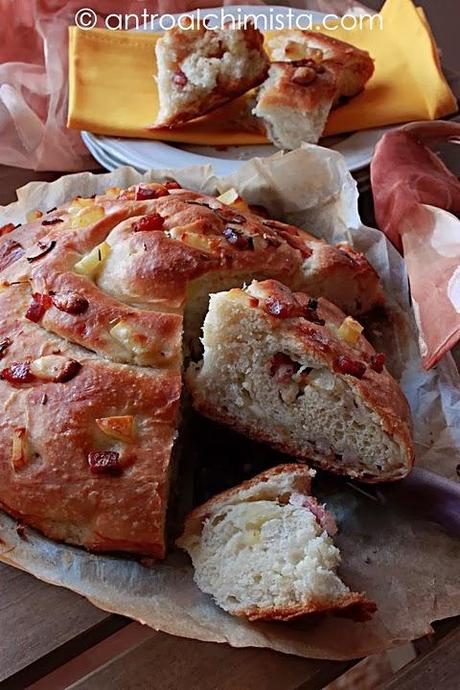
x=99 y=300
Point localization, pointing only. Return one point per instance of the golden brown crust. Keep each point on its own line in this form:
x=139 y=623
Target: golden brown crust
x=155 y=268
x=284 y=90
x=310 y=74
x=353 y=605
x=377 y=389
x=142 y=284
x=52 y=488
x=350 y=67
x=301 y=481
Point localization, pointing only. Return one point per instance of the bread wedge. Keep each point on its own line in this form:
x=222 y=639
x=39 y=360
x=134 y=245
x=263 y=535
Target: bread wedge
x=263 y=551
x=310 y=74
x=296 y=373
x=200 y=69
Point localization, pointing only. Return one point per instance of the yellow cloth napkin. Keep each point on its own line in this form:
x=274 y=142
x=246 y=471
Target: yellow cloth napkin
x=112 y=88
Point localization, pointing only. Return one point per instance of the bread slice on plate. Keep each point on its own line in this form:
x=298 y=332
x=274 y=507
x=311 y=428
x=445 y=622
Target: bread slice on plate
x=310 y=74
x=263 y=551
x=294 y=102
x=296 y=373
x=200 y=69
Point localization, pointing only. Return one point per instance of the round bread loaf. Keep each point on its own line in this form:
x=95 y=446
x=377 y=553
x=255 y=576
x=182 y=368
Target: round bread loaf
x=96 y=299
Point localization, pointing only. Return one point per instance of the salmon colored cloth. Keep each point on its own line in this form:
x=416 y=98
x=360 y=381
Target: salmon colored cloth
x=417 y=201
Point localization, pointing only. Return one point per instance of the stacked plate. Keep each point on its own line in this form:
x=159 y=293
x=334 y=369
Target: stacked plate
x=143 y=154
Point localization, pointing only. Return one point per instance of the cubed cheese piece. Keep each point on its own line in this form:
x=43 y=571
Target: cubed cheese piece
x=90 y=264
x=350 y=330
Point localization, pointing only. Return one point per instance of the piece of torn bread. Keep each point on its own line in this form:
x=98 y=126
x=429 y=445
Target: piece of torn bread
x=296 y=373
x=200 y=69
x=309 y=75
x=294 y=102
x=263 y=551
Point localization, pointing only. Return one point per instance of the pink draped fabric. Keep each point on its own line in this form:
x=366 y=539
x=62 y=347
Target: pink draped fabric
x=406 y=173
x=416 y=201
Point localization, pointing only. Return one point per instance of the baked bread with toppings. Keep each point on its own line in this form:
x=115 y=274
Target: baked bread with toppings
x=165 y=249
x=309 y=75
x=200 y=69
x=96 y=298
x=295 y=372
x=264 y=550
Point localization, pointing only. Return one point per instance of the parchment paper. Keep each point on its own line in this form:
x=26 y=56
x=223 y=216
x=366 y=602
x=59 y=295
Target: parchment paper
x=407 y=564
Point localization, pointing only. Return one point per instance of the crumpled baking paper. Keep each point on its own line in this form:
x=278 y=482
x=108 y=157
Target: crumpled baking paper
x=405 y=562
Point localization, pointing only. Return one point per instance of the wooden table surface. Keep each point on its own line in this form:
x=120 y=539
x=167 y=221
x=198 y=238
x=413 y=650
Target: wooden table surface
x=51 y=638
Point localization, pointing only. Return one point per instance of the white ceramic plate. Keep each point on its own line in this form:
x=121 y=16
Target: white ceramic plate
x=144 y=154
